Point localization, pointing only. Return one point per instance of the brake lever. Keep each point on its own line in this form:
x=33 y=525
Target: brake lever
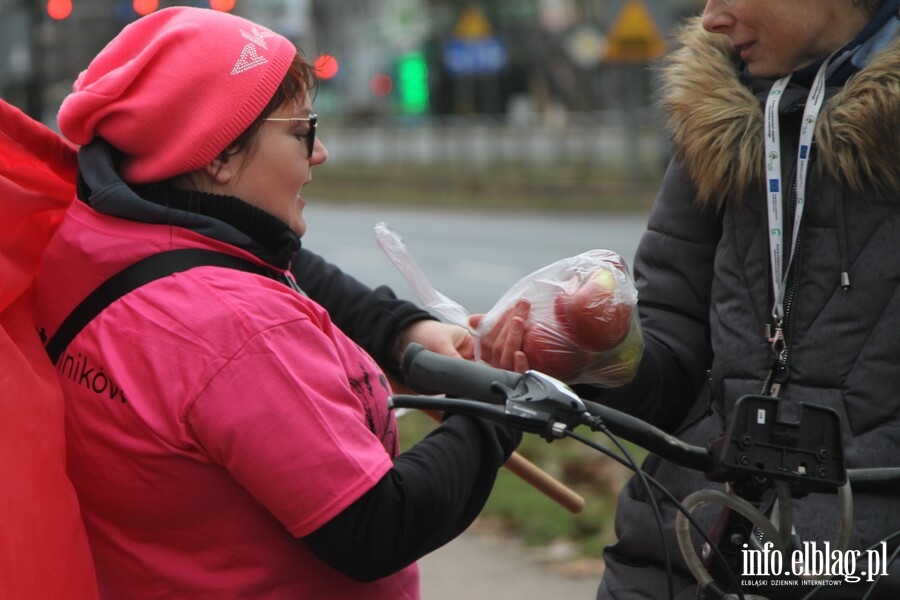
x=543 y=405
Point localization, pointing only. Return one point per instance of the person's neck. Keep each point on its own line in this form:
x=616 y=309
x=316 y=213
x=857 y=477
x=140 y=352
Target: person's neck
x=844 y=29
x=854 y=30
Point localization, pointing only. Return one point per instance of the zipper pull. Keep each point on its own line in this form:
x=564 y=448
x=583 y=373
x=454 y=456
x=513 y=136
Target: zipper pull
x=779 y=372
x=777 y=341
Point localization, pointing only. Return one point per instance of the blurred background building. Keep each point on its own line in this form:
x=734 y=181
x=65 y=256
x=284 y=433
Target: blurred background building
x=490 y=85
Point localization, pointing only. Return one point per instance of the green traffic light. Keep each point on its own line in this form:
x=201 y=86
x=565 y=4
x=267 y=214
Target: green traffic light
x=412 y=83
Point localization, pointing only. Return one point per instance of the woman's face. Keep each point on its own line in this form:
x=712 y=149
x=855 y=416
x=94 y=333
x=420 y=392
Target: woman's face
x=271 y=172
x=777 y=37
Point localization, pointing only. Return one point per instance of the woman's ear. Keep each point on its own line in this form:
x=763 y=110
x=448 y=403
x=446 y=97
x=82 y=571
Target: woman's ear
x=220 y=170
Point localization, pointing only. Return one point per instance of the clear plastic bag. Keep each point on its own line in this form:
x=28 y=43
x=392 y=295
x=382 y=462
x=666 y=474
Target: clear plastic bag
x=583 y=325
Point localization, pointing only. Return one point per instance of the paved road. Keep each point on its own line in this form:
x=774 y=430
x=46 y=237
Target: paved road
x=471 y=257
x=478 y=566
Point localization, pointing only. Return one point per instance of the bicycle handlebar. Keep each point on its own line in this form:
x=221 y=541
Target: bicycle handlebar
x=653 y=439
x=797 y=442
x=431 y=373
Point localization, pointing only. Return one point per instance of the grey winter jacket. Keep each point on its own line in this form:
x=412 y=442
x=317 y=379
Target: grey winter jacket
x=705 y=295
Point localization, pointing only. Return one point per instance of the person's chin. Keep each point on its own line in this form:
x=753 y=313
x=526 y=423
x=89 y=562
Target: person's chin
x=765 y=71
x=298 y=225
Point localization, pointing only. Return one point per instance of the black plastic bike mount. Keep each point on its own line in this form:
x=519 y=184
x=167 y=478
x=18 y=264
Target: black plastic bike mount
x=796 y=442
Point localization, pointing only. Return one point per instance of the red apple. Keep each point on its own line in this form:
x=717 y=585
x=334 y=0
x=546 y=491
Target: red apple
x=599 y=313
x=550 y=351
x=561 y=314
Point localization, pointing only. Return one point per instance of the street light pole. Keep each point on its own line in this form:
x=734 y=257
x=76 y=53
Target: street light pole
x=34 y=87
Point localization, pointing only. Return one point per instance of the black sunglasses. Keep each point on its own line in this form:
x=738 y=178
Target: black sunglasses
x=310 y=136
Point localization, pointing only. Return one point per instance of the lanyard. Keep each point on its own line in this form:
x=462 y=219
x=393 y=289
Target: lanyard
x=775 y=183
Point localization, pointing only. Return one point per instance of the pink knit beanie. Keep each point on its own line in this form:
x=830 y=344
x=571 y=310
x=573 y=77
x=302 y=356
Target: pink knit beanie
x=175 y=88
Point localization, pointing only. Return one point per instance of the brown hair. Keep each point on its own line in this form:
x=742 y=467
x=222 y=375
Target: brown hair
x=299 y=81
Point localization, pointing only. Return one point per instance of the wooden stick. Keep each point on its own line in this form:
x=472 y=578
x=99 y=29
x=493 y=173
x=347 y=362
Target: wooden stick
x=536 y=477
x=545 y=483
x=526 y=470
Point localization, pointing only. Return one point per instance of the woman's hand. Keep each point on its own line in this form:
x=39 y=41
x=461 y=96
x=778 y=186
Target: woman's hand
x=443 y=338
x=501 y=347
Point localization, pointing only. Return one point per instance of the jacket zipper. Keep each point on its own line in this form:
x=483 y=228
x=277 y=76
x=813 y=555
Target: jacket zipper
x=780 y=370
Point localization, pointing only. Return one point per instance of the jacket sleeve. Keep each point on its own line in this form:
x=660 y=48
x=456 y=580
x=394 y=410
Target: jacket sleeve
x=673 y=273
x=373 y=318
x=416 y=508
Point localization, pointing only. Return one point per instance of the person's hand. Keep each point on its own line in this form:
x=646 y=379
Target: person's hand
x=443 y=338
x=501 y=347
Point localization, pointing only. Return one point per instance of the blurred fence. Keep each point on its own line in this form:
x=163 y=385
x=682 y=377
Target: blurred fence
x=609 y=141
x=575 y=158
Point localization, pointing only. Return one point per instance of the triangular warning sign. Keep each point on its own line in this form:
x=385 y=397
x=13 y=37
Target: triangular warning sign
x=634 y=36
x=473 y=24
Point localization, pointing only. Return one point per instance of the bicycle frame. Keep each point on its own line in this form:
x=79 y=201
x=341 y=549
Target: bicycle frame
x=792 y=448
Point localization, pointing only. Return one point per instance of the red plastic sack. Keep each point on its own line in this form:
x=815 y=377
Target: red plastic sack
x=43 y=547
x=583 y=326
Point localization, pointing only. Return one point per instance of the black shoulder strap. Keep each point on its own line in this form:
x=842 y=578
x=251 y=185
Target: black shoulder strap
x=140 y=273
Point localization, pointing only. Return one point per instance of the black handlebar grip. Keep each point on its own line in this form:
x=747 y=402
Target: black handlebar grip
x=427 y=372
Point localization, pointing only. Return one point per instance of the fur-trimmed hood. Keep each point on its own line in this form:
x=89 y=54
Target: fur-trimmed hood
x=716 y=123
